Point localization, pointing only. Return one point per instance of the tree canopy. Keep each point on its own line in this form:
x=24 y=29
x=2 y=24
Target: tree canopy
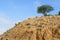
x=44 y=9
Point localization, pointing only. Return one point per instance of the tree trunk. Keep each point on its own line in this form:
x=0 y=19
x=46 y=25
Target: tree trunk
x=45 y=14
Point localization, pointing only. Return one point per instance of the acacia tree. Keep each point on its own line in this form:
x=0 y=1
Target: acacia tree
x=44 y=9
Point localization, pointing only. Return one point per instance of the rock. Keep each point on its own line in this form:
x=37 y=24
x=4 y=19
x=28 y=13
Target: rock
x=40 y=28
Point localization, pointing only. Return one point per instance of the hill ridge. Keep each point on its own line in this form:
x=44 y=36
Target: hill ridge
x=38 y=28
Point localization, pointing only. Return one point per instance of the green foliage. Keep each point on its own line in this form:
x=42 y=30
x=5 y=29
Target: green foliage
x=44 y=9
x=59 y=13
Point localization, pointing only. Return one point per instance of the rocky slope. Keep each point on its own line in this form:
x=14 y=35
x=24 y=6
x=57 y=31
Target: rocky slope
x=38 y=28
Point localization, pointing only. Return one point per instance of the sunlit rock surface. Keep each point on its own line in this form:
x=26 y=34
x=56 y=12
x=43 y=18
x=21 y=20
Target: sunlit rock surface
x=38 y=28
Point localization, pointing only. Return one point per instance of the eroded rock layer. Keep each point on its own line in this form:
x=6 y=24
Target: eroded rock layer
x=39 y=28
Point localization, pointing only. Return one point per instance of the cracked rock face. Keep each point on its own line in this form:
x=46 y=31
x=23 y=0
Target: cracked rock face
x=40 y=28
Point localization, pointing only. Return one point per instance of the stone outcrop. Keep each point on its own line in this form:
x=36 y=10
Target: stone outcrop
x=39 y=28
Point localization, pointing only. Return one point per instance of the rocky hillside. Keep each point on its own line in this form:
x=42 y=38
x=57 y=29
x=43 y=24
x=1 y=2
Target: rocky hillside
x=38 y=28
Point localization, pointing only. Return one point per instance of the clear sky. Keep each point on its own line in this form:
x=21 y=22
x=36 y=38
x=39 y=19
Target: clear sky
x=13 y=11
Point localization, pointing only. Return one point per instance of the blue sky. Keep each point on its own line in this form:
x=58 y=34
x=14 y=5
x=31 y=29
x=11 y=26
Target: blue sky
x=13 y=11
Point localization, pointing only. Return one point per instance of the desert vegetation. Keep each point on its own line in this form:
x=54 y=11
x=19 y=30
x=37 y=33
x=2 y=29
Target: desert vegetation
x=44 y=9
